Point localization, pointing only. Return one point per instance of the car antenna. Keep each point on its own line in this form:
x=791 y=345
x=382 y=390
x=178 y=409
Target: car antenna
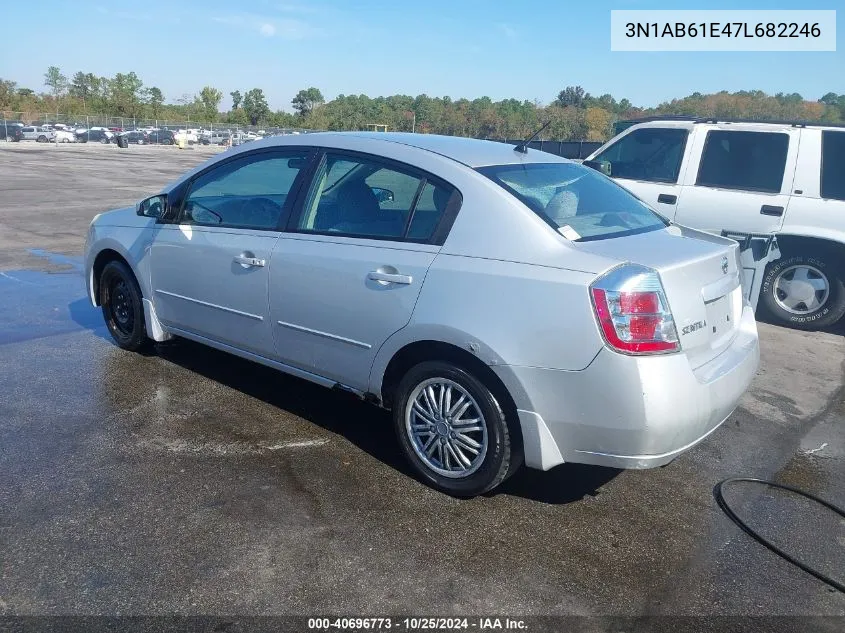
x=523 y=147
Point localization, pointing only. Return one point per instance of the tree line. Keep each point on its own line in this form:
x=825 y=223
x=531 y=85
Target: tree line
x=574 y=115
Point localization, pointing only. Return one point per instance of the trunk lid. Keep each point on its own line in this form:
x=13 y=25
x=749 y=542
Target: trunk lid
x=701 y=279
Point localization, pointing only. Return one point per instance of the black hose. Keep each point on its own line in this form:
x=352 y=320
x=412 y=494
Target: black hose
x=720 y=499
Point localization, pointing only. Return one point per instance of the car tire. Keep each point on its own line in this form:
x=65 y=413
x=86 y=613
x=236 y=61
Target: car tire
x=486 y=445
x=796 y=307
x=41 y=139
x=123 y=310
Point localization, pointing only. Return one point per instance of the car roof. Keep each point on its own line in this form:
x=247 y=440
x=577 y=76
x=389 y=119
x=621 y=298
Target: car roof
x=468 y=151
x=734 y=124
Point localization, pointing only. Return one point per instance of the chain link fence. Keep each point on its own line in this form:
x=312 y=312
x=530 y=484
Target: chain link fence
x=105 y=129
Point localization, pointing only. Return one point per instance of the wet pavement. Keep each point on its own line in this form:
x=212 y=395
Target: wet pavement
x=189 y=481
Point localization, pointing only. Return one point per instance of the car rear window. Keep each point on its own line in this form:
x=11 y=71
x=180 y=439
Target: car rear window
x=578 y=202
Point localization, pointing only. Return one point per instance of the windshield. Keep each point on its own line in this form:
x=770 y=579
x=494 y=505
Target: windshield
x=579 y=202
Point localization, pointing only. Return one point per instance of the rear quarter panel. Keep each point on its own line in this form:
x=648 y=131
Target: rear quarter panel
x=505 y=313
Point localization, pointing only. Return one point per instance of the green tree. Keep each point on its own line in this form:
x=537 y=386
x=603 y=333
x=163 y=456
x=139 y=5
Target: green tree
x=156 y=99
x=125 y=94
x=8 y=90
x=56 y=81
x=211 y=98
x=236 y=99
x=255 y=105
x=306 y=100
x=571 y=96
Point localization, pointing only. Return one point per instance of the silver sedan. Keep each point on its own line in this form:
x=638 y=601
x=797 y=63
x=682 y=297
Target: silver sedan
x=507 y=306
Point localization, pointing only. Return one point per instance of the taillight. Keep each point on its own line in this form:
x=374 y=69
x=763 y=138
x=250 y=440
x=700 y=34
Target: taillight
x=633 y=313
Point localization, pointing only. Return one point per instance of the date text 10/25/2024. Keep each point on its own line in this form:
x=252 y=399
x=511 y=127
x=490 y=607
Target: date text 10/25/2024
x=416 y=624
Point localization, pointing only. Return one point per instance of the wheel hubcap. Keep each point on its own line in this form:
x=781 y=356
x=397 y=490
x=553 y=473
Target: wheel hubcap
x=446 y=428
x=121 y=307
x=801 y=289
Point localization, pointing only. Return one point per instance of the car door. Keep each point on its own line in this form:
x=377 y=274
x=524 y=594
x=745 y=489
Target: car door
x=650 y=162
x=739 y=180
x=348 y=273
x=209 y=267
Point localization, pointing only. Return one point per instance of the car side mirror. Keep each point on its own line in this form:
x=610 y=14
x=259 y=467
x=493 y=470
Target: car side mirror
x=383 y=195
x=152 y=207
x=599 y=165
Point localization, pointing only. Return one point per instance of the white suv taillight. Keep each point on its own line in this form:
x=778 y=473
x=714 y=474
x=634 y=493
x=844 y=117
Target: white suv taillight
x=632 y=311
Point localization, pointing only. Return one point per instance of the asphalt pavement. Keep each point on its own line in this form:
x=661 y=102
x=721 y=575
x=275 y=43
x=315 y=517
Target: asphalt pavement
x=189 y=481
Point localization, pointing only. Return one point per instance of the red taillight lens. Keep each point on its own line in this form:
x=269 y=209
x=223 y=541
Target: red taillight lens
x=633 y=313
x=639 y=302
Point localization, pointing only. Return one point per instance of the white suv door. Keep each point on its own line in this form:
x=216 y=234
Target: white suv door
x=739 y=180
x=650 y=161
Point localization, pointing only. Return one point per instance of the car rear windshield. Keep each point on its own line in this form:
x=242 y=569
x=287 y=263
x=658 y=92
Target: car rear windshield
x=578 y=202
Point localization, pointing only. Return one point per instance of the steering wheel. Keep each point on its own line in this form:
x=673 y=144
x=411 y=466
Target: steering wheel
x=261 y=212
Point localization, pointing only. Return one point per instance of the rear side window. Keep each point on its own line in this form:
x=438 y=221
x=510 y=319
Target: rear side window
x=578 y=202
x=363 y=197
x=747 y=161
x=833 y=165
x=651 y=154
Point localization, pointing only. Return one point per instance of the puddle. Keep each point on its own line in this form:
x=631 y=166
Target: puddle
x=42 y=303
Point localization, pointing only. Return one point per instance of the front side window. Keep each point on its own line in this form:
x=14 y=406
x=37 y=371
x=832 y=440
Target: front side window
x=747 y=161
x=365 y=198
x=250 y=192
x=579 y=202
x=650 y=154
x=833 y=165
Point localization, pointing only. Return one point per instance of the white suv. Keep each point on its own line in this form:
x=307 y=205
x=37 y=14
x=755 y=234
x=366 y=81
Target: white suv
x=740 y=178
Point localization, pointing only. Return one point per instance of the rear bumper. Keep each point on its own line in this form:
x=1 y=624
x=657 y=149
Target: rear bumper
x=626 y=411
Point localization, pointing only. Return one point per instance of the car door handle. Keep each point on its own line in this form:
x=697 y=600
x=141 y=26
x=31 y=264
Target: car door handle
x=667 y=198
x=768 y=209
x=248 y=261
x=389 y=278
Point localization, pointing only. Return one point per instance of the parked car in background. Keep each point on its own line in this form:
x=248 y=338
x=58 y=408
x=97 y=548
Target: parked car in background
x=215 y=138
x=11 y=130
x=64 y=136
x=188 y=136
x=37 y=133
x=750 y=179
x=161 y=137
x=95 y=135
x=136 y=137
x=490 y=298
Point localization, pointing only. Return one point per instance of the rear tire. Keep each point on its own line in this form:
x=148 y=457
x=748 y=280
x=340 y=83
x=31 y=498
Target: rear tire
x=123 y=310
x=461 y=450
x=806 y=292
x=41 y=139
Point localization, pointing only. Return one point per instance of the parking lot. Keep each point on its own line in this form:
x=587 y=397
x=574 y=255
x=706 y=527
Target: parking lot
x=189 y=481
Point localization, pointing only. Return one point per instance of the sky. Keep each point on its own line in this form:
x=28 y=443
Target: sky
x=526 y=49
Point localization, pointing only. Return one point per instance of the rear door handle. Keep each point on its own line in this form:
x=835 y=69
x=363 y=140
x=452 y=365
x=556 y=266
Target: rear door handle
x=768 y=209
x=667 y=198
x=247 y=260
x=389 y=278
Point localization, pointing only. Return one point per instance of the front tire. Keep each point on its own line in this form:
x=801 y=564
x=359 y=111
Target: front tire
x=123 y=310
x=452 y=429
x=41 y=139
x=806 y=292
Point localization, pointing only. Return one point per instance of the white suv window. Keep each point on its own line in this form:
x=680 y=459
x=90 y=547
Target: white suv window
x=833 y=165
x=747 y=161
x=651 y=154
